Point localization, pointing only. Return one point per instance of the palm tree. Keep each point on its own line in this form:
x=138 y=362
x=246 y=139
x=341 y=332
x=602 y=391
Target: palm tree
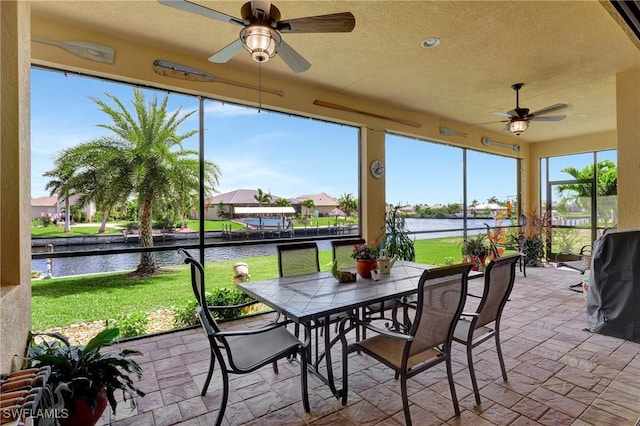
x=347 y=204
x=152 y=157
x=143 y=158
x=60 y=184
x=607 y=186
x=309 y=205
x=262 y=197
x=492 y=200
x=96 y=176
x=283 y=202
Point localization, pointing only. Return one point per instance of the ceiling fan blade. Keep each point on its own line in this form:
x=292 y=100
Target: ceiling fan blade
x=190 y=7
x=226 y=53
x=502 y=114
x=343 y=22
x=548 y=118
x=293 y=59
x=549 y=109
x=261 y=9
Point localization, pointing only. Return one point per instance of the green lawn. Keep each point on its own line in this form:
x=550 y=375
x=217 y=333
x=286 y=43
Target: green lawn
x=56 y=231
x=63 y=301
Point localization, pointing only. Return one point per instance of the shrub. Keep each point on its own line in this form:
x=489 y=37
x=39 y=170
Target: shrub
x=565 y=239
x=133 y=324
x=185 y=315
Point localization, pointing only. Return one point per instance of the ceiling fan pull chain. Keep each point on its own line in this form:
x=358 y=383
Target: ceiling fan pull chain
x=259 y=87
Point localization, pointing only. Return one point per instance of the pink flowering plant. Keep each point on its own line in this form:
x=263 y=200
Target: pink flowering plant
x=367 y=251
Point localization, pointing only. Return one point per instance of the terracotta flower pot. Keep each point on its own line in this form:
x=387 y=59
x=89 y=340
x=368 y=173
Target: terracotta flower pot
x=80 y=413
x=365 y=266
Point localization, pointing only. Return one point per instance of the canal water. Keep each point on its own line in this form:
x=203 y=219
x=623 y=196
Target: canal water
x=128 y=261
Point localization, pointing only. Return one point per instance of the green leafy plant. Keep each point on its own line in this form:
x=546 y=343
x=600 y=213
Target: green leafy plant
x=185 y=315
x=531 y=240
x=133 y=324
x=565 y=239
x=449 y=260
x=366 y=251
x=395 y=239
x=84 y=371
x=475 y=245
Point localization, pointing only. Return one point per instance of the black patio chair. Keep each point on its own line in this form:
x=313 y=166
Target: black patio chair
x=441 y=296
x=342 y=250
x=472 y=329
x=245 y=350
x=302 y=258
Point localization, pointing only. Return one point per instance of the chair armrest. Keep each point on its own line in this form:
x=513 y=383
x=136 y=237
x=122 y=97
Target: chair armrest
x=565 y=256
x=270 y=327
x=388 y=333
x=586 y=250
x=358 y=322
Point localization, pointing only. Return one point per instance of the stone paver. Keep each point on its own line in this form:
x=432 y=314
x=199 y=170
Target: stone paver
x=559 y=374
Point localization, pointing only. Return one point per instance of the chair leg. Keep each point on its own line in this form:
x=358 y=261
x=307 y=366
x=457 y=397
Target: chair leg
x=303 y=380
x=225 y=396
x=327 y=354
x=474 y=383
x=275 y=367
x=405 y=398
x=345 y=372
x=212 y=364
x=500 y=358
x=452 y=386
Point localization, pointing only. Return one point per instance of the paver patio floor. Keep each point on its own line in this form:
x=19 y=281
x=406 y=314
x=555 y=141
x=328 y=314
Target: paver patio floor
x=559 y=374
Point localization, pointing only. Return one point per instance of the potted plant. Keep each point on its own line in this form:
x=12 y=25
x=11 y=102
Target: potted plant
x=366 y=256
x=530 y=242
x=84 y=378
x=475 y=250
x=395 y=239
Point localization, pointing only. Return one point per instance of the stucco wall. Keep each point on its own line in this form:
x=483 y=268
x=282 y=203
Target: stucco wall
x=15 y=188
x=628 y=123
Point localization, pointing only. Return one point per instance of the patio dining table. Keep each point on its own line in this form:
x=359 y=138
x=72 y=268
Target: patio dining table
x=309 y=297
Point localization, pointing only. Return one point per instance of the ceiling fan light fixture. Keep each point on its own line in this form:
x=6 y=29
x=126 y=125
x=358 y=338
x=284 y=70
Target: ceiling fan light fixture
x=518 y=125
x=260 y=41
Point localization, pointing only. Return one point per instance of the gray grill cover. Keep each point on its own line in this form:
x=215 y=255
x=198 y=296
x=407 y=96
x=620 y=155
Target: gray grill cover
x=613 y=299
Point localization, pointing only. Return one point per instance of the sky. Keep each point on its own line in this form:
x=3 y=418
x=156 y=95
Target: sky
x=284 y=155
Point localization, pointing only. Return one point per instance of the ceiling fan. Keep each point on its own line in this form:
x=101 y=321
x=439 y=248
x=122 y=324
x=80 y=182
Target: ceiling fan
x=519 y=118
x=262 y=28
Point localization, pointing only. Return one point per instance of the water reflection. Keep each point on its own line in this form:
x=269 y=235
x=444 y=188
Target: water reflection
x=65 y=266
x=129 y=261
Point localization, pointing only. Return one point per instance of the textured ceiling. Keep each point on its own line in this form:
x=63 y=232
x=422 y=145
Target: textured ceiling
x=564 y=52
